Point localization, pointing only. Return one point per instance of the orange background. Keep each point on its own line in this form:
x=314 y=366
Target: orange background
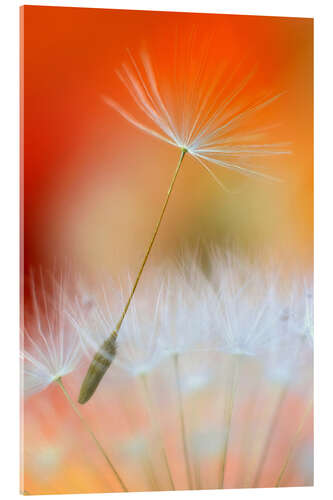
x=93 y=184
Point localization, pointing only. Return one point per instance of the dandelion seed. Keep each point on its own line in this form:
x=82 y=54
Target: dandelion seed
x=199 y=116
x=206 y=128
x=51 y=347
x=55 y=350
x=106 y=352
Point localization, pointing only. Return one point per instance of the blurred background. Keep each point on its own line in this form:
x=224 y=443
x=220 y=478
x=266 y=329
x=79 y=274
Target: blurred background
x=93 y=185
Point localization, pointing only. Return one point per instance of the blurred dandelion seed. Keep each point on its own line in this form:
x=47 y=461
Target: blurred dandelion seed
x=177 y=338
x=56 y=351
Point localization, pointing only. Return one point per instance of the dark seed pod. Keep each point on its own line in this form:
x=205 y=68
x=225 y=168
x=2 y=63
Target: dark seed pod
x=97 y=369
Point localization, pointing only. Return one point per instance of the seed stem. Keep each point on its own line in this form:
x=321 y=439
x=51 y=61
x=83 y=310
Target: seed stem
x=293 y=444
x=151 y=473
x=90 y=431
x=100 y=363
x=270 y=435
x=182 y=421
x=197 y=476
x=144 y=379
x=150 y=246
x=229 y=412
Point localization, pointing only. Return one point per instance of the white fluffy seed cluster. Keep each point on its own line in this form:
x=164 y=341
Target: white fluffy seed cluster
x=234 y=309
x=199 y=343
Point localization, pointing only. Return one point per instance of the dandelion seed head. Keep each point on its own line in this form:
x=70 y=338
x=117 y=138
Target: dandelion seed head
x=198 y=113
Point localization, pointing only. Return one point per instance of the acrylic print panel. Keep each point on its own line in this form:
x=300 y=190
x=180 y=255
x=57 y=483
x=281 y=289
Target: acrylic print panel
x=167 y=263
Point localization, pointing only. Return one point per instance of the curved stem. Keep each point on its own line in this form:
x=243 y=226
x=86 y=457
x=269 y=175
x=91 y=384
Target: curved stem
x=103 y=358
x=90 y=431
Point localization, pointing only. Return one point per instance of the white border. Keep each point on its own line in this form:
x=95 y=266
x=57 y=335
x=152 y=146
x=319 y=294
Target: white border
x=9 y=233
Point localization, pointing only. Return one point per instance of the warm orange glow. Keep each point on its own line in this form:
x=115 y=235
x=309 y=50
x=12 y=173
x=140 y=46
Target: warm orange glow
x=93 y=184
